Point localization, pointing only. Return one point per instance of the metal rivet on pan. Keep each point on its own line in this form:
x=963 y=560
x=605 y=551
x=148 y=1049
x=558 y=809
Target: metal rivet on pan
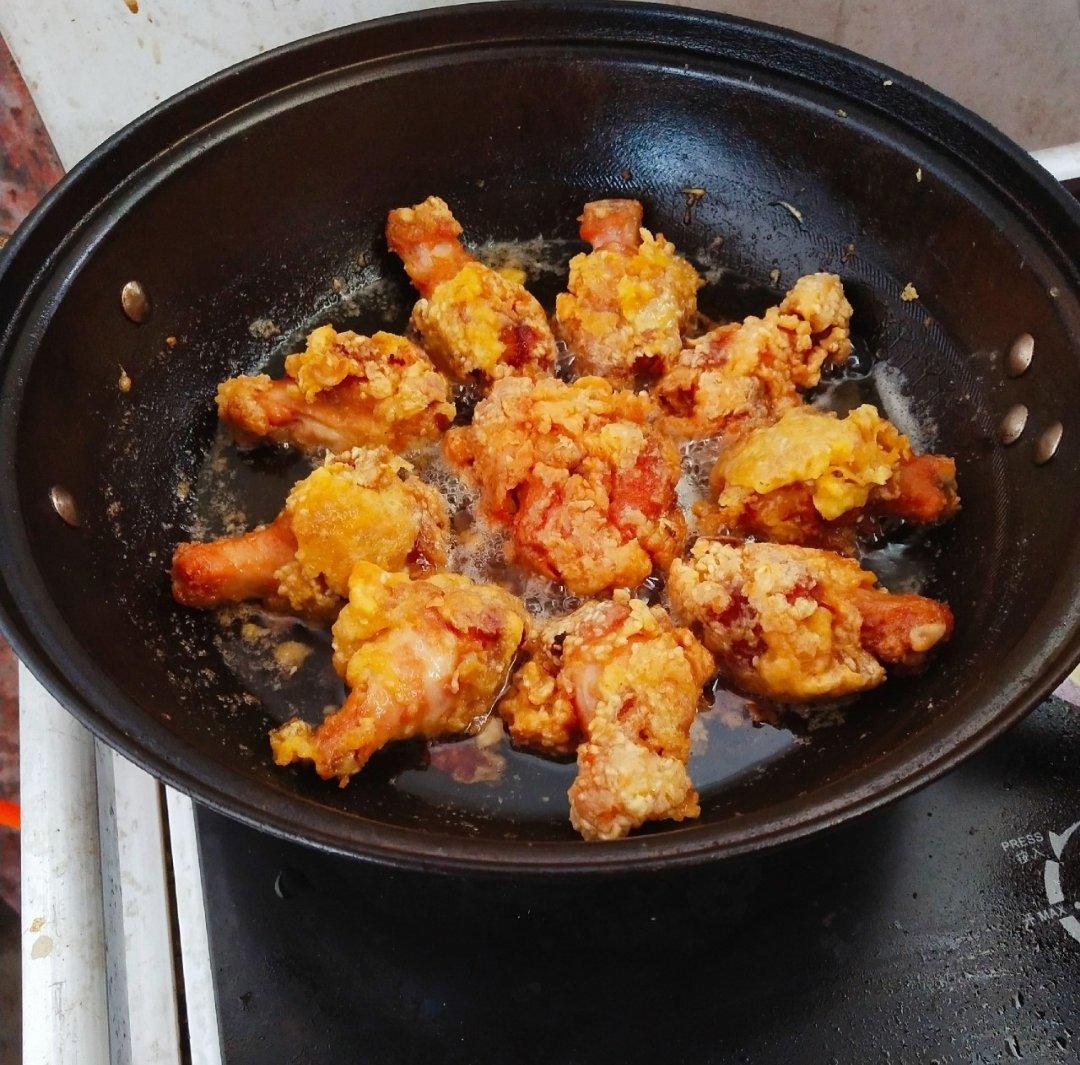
x=1020 y=354
x=64 y=504
x=1012 y=425
x=1047 y=444
x=135 y=301
x=289 y=883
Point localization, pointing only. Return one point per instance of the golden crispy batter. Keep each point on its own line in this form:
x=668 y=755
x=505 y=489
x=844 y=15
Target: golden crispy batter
x=475 y=321
x=618 y=682
x=342 y=391
x=795 y=624
x=421 y=658
x=630 y=301
x=841 y=459
x=480 y=323
x=740 y=376
x=580 y=476
x=355 y=507
x=815 y=479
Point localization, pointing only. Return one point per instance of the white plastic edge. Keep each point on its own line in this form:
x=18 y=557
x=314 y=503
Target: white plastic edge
x=140 y=965
x=64 y=1005
x=1063 y=162
x=202 y=1018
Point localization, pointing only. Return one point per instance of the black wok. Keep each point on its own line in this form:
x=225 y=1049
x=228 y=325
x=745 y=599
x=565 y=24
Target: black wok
x=242 y=199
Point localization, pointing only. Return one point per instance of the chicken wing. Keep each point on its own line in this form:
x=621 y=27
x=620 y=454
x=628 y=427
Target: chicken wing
x=421 y=658
x=363 y=505
x=342 y=391
x=815 y=479
x=630 y=301
x=620 y=684
x=796 y=624
x=742 y=375
x=474 y=321
x=581 y=477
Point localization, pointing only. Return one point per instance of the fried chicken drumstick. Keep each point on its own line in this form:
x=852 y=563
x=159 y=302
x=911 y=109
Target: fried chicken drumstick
x=630 y=301
x=581 y=477
x=421 y=658
x=342 y=391
x=620 y=684
x=815 y=479
x=742 y=375
x=473 y=321
x=797 y=624
x=355 y=507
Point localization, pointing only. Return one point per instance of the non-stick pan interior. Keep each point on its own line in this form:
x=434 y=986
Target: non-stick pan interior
x=269 y=220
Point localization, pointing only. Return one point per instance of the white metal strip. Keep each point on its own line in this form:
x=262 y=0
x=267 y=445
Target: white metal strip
x=202 y=1018
x=65 y=1019
x=143 y=1014
x=1063 y=161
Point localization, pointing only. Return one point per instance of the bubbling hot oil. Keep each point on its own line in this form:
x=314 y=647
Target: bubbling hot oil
x=698 y=459
x=480 y=549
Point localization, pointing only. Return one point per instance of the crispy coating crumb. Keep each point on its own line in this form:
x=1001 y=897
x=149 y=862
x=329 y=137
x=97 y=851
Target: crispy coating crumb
x=421 y=658
x=815 y=479
x=630 y=301
x=581 y=477
x=621 y=684
x=342 y=391
x=475 y=321
x=742 y=375
x=363 y=505
x=290 y=655
x=798 y=624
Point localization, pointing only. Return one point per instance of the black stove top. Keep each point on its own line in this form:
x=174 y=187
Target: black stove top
x=945 y=928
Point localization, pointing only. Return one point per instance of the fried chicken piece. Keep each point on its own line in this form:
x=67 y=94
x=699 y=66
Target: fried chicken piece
x=363 y=505
x=581 y=477
x=619 y=683
x=630 y=301
x=797 y=624
x=235 y=568
x=421 y=658
x=922 y=490
x=815 y=479
x=342 y=391
x=475 y=321
x=742 y=375
x=427 y=239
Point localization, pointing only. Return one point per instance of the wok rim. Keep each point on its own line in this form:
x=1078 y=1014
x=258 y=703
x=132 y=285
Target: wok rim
x=170 y=759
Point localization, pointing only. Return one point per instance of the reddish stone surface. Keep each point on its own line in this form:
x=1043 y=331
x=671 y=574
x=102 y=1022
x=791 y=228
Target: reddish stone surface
x=28 y=164
x=28 y=169
x=9 y=773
